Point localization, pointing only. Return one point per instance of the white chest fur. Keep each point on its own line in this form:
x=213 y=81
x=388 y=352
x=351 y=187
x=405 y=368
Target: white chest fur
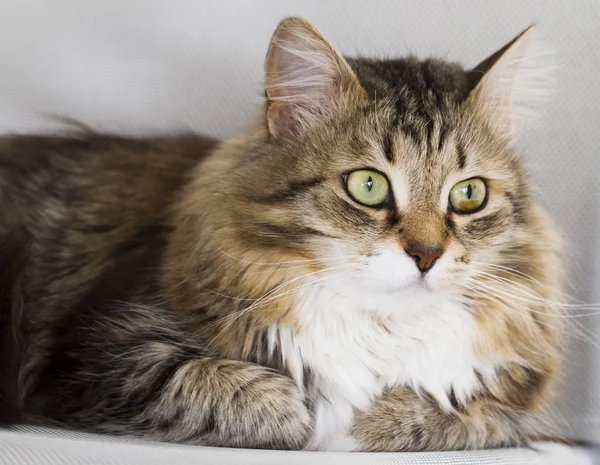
x=353 y=353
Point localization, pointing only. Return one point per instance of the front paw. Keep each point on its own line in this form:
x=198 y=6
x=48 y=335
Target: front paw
x=255 y=407
x=402 y=421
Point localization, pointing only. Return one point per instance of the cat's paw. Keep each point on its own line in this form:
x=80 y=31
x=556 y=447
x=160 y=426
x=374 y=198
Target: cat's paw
x=255 y=407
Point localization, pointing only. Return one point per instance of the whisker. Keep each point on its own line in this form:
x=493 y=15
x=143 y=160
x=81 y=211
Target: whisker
x=528 y=291
x=269 y=297
x=240 y=314
x=259 y=301
x=511 y=308
x=571 y=318
x=519 y=273
x=486 y=294
x=537 y=301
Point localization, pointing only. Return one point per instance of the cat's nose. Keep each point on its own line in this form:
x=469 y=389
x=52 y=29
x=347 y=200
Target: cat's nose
x=424 y=257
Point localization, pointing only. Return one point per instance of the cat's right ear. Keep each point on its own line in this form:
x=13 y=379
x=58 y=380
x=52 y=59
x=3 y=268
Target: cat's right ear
x=508 y=85
x=306 y=79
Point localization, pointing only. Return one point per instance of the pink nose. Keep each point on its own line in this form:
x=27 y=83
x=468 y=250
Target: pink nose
x=424 y=257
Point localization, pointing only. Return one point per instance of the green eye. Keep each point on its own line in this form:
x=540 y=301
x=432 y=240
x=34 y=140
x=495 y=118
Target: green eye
x=367 y=187
x=468 y=196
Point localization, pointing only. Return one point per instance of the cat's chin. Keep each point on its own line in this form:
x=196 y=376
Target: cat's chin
x=398 y=300
x=413 y=286
x=418 y=293
x=390 y=284
x=405 y=297
x=388 y=294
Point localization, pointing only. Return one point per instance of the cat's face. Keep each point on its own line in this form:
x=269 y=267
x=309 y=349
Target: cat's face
x=413 y=238
x=393 y=177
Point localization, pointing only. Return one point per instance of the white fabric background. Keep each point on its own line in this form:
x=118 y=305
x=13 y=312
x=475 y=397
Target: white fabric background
x=27 y=446
x=147 y=67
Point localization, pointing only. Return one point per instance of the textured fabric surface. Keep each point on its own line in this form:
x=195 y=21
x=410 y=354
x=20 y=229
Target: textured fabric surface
x=147 y=67
x=28 y=446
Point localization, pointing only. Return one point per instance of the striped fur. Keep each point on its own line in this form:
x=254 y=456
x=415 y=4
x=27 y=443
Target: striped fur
x=234 y=294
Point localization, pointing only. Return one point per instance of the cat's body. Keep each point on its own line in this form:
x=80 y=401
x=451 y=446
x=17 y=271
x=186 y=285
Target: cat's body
x=237 y=295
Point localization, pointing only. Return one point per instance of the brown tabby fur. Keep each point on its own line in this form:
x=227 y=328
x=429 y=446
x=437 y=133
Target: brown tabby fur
x=132 y=271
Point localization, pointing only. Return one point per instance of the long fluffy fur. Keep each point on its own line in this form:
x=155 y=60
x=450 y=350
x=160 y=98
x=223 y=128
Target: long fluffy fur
x=234 y=294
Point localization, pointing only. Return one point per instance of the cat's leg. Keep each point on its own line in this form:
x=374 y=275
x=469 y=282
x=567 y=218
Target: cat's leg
x=400 y=420
x=208 y=402
x=201 y=401
x=134 y=373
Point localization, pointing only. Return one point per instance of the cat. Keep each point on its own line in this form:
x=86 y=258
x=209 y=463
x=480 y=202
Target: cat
x=364 y=268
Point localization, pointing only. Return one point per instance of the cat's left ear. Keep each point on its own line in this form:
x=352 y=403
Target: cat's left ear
x=507 y=85
x=306 y=79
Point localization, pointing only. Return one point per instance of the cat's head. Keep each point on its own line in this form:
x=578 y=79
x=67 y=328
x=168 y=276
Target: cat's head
x=383 y=177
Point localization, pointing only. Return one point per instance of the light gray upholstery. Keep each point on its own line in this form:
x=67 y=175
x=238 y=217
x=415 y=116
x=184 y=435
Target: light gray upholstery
x=27 y=446
x=143 y=67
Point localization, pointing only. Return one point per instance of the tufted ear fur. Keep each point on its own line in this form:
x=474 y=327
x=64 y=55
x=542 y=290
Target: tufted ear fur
x=306 y=79
x=508 y=84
